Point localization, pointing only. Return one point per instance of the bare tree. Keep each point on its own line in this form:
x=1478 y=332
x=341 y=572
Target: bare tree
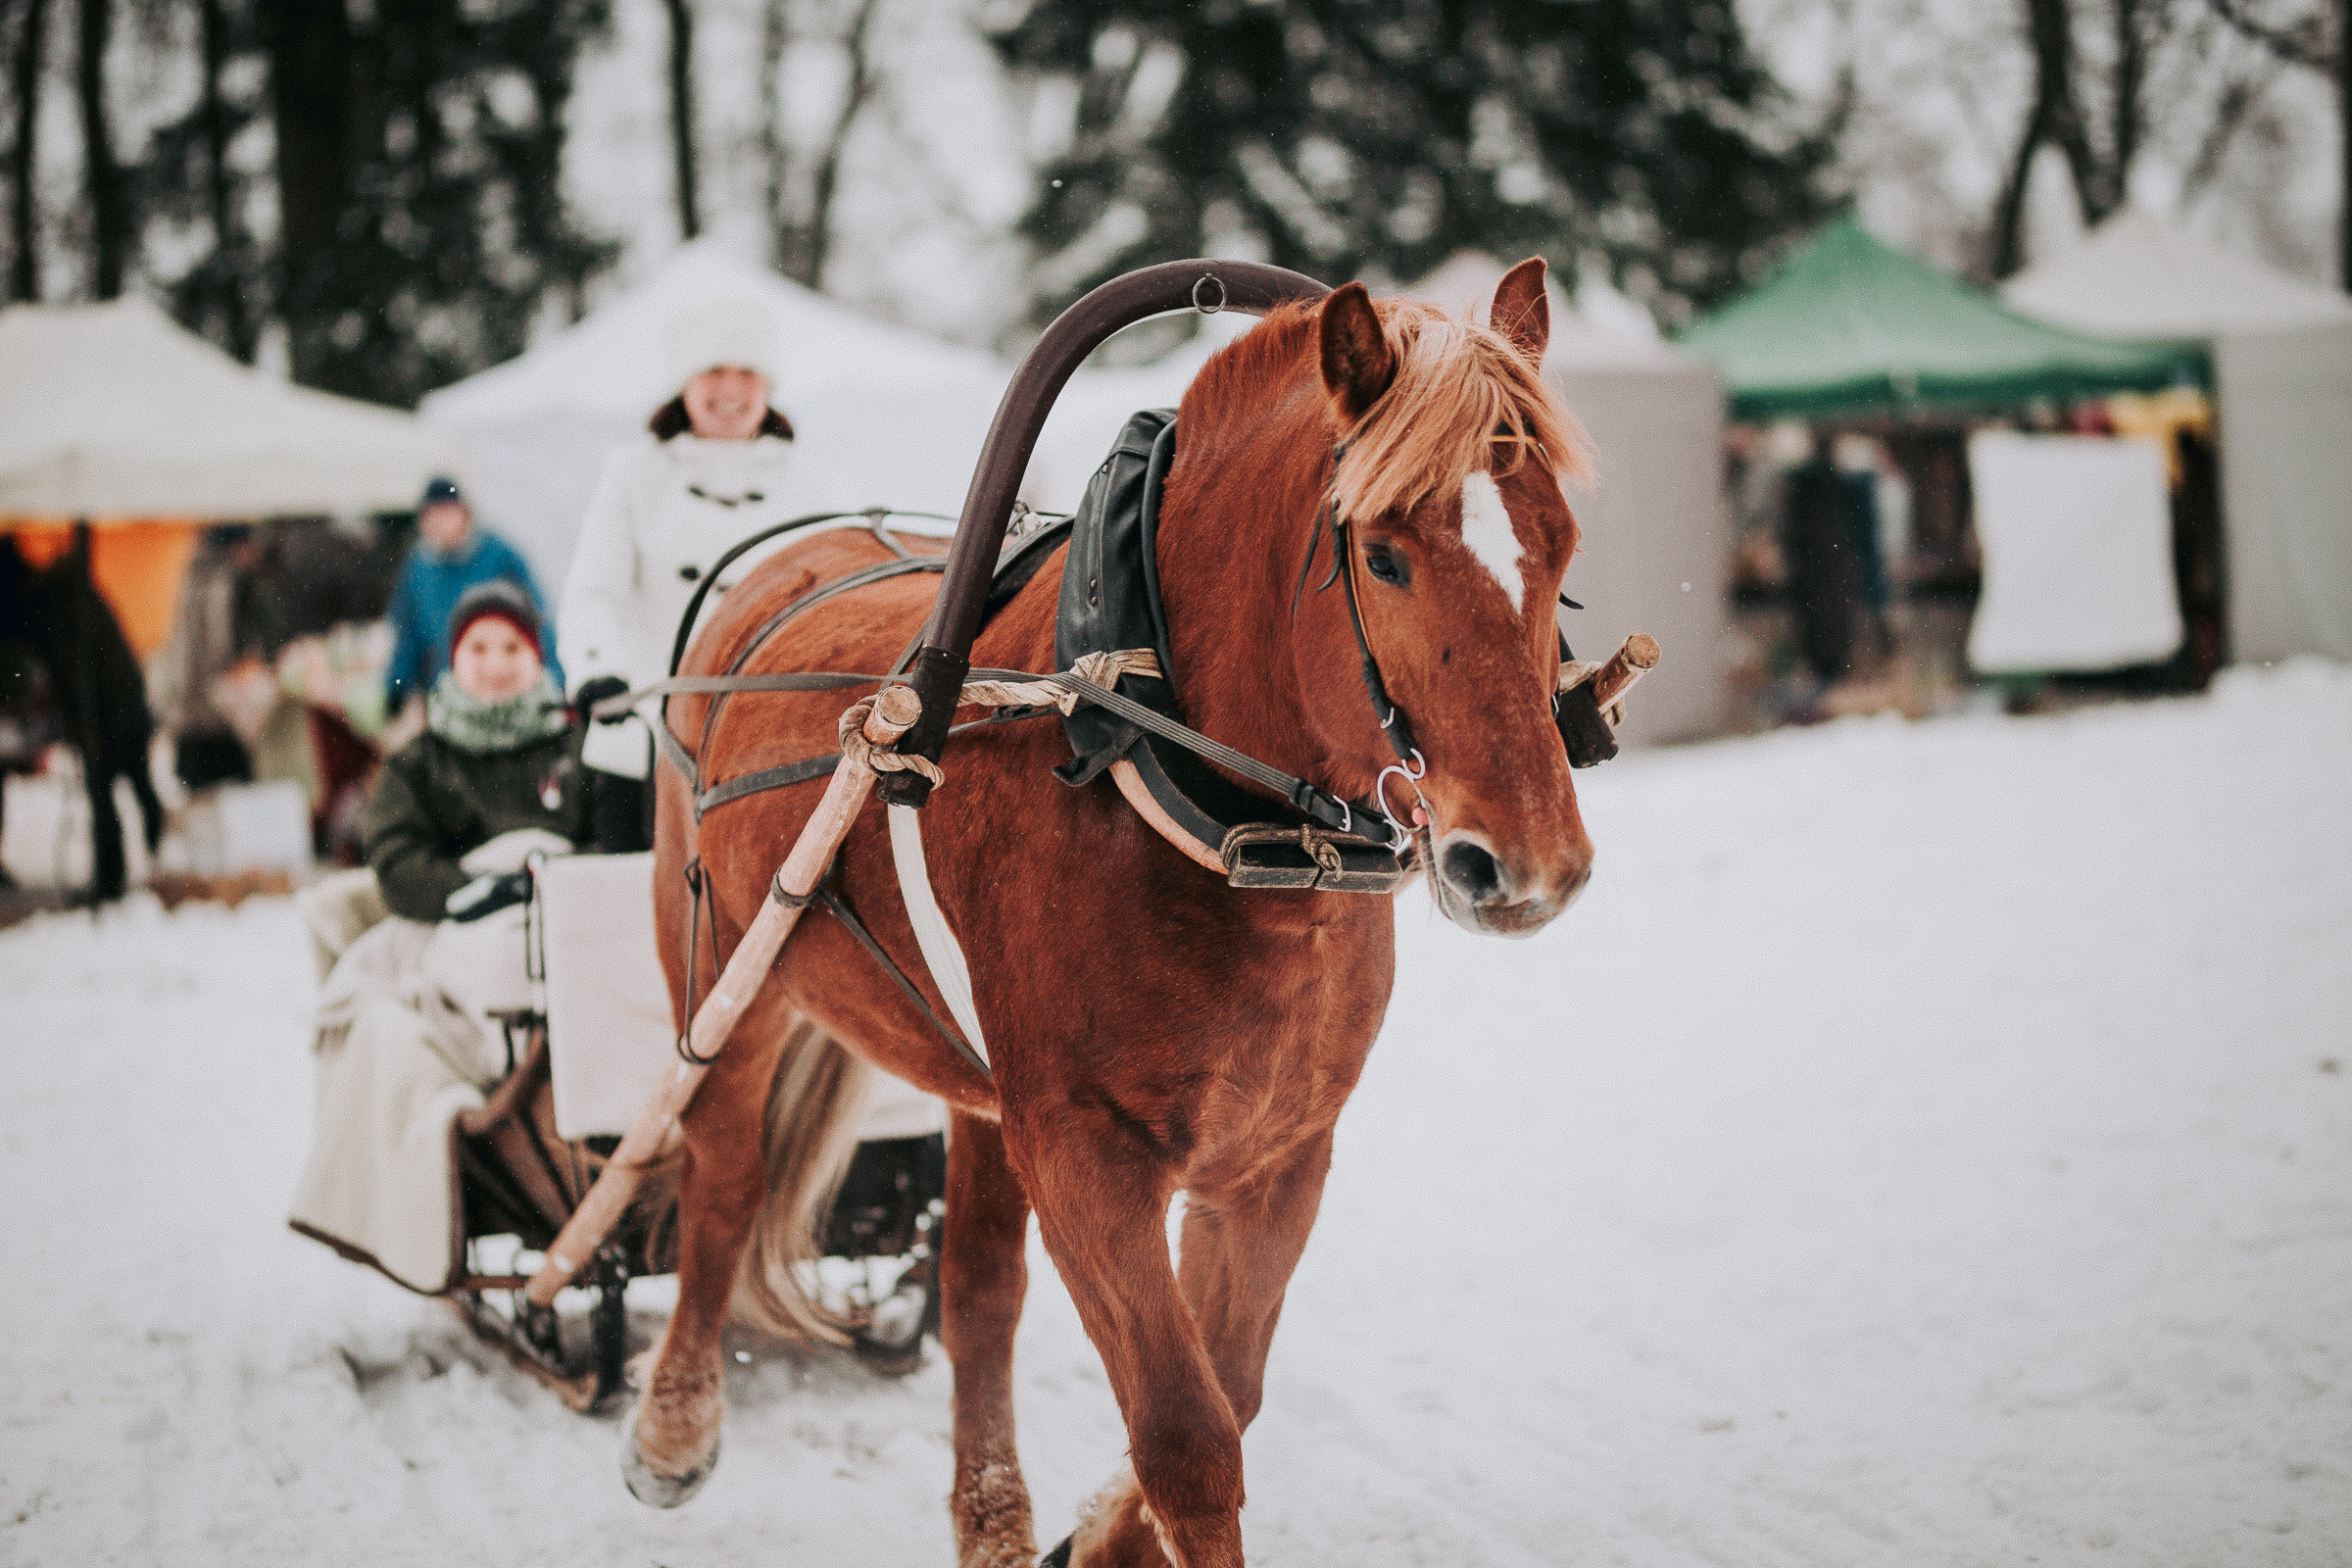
x=229 y=239
x=2053 y=119
x=103 y=179
x=803 y=239
x=23 y=202
x=309 y=47
x=681 y=113
x=2240 y=97
x=2304 y=42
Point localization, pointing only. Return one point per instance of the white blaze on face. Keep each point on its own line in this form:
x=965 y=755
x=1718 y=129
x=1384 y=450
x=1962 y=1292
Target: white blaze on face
x=1487 y=530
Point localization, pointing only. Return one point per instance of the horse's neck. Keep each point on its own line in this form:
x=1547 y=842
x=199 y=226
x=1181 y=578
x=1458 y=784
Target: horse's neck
x=1231 y=538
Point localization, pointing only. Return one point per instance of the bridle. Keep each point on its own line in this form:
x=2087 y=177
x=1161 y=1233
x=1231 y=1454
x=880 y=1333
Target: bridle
x=1411 y=766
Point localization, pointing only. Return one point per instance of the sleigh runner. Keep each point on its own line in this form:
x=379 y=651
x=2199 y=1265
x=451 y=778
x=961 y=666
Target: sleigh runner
x=583 y=1038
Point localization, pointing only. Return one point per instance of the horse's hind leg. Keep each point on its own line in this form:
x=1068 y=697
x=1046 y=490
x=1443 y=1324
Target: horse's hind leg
x=983 y=1276
x=1241 y=1244
x=1102 y=1204
x=672 y=1442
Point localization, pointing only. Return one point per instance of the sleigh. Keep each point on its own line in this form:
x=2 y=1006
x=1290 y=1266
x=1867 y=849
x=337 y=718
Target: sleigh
x=1085 y=1111
x=578 y=1066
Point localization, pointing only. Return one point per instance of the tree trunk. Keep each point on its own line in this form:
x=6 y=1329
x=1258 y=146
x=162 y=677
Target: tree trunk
x=236 y=316
x=2055 y=120
x=103 y=181
x=2344 y=108
x=25 y=166
x=681 y=113
x=2132 y=29
x=775 y=144
x=310 y=81
x=817 y=236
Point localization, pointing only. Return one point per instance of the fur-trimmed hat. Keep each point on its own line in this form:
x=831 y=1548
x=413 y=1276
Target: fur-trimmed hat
x=731 y=329
x=499 y=598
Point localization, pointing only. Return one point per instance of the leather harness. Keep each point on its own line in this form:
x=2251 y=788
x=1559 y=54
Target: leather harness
x=1305 y=838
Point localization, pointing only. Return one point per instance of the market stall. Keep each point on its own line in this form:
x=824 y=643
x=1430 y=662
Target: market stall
x=122 y=435
x=2282 y=350
x=1851 y=333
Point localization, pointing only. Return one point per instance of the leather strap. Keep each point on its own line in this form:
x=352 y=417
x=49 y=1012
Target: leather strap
x=831 y=900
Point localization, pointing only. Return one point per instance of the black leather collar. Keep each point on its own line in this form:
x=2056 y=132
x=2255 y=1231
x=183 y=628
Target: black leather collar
x=1111 y=600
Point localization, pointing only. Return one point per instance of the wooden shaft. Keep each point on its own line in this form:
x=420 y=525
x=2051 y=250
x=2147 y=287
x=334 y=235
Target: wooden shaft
x=1634 y=658
x=706 y=1034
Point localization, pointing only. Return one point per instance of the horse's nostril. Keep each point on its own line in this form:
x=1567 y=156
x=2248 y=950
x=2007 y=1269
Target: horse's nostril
x=1472 y=872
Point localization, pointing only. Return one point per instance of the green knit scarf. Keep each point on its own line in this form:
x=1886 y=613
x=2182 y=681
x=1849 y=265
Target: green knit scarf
x=485 y=728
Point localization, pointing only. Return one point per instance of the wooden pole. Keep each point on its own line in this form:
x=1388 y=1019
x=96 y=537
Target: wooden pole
x=894 y=711
x=1636 y=657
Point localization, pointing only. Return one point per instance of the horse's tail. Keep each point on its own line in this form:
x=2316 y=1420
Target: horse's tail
x=807 y=1135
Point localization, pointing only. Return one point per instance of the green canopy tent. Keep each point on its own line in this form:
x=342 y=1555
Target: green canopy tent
x=1848 y=327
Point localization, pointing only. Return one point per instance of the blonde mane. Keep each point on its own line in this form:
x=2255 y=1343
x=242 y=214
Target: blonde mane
x=1459 y=388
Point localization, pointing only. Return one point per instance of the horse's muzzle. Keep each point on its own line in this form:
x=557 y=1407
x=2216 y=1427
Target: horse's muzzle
x=1482 y=891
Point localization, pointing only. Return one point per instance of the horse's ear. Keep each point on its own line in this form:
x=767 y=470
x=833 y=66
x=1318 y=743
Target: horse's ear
x=1357 y=363
x=1522 y=309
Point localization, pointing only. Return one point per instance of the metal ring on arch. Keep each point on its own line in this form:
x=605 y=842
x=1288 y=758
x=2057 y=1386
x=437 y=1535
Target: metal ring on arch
x=1204 y=279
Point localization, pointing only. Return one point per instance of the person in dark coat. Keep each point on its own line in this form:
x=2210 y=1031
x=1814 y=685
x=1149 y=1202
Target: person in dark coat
x=100 y=693
x=498 y=752
x=1825 y=578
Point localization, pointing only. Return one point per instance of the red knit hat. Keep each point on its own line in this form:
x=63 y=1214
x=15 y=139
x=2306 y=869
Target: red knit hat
x=499 y=598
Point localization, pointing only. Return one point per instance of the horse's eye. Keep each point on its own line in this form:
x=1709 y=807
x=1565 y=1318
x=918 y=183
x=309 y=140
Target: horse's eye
x=1389 y=568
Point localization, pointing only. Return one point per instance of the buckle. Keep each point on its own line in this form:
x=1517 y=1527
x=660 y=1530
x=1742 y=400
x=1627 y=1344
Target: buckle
x=1309 y=858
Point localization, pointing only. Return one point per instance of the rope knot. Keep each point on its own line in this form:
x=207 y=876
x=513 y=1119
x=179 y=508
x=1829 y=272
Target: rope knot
x=1102 y=669
x=855 y=746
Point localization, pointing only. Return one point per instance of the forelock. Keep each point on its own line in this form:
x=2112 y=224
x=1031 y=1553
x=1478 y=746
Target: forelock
x=1458 y=386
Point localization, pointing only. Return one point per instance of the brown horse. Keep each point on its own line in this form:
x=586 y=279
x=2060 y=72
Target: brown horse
x=1153 y=1030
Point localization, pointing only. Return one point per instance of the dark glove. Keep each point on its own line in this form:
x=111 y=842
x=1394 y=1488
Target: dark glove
x=488 y=894
x=589 y=692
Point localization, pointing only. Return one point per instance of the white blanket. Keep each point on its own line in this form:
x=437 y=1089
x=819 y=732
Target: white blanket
x=611 y=1040
x=405 y=1044
x=2077 y=532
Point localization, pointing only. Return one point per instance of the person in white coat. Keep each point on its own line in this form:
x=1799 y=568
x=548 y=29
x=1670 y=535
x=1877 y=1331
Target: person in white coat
x=718 y=466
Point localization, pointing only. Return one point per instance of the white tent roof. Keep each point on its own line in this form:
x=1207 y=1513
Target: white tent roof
x=884 y=415
x=2139 y=277
x=608 y=365
x=113 y=410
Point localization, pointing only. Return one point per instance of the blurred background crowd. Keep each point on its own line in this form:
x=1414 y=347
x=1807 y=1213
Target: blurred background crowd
x=1936 y=352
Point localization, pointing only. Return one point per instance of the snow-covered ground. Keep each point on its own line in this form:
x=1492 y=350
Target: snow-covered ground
x=1925 y=1145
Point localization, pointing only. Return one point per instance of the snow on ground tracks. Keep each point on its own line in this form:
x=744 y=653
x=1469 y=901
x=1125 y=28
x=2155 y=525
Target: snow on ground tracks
x=1925 y=1145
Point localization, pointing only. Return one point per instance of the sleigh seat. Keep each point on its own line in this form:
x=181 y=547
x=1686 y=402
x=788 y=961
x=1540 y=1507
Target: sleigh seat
x=582 y=1064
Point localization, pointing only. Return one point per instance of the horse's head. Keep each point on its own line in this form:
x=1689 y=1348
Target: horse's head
x=1457 y=534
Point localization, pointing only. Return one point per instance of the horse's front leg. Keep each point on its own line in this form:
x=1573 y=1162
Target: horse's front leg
x=1241 y=1241
x=1102 y=1194
x=672 y=1442
x=983 y=1274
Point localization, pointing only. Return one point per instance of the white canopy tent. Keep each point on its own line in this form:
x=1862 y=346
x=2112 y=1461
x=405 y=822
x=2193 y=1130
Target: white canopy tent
x=113 y=410
x=886 y=414
x=2283 y=375
x=1656 y=552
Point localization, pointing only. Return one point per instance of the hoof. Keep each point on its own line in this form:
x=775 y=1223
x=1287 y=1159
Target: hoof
x=1059 y=1556
x=652 y=1488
